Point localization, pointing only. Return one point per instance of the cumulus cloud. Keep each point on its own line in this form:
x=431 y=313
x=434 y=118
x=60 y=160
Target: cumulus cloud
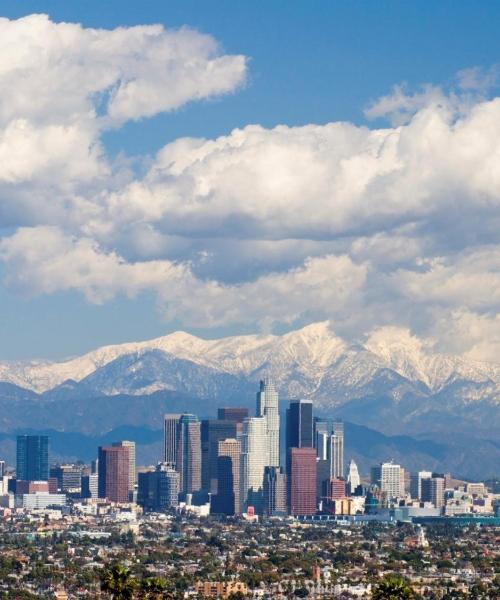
x=393 y=227
x=63 y=85
x=45 y=260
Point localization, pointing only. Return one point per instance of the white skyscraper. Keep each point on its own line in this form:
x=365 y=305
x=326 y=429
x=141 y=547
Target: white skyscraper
x=254 y=459
x=388 y=477
x=267 y=407
x=353 y=479
x=337 y=450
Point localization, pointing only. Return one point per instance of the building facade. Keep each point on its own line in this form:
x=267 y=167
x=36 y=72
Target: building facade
x=228 y=477
x=302 y=481
x=113 y=476
x=32 y=457
x=254 y=459
x=267 y=407
x=188 y=459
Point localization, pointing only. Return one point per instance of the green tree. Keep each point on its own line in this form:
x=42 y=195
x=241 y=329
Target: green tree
x=153 y=588
x=118 y=582
x=392 y=587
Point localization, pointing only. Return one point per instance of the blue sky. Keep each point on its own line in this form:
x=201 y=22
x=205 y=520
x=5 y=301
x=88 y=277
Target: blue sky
x=307 y=63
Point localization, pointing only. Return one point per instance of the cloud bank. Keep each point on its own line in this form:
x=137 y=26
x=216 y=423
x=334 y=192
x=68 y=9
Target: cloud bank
x=371 y=227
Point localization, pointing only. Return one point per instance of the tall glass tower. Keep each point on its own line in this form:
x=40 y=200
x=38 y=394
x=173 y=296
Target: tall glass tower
x=267 y=406
x=32 y=458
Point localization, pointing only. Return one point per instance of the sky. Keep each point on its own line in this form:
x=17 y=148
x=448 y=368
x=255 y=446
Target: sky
x=238 y=167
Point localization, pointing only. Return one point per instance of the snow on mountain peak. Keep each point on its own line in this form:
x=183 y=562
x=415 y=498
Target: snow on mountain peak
x=307 y=355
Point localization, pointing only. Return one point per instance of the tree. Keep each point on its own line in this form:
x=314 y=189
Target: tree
x=392 y=587
x=153 y=588
x=118 y=582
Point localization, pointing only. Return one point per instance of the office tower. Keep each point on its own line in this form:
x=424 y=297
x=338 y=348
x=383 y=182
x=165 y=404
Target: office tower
x=232 y=413
x=433 y=490
x=335 y=489
x=32 y=457
x=90 y=486
x=267 y=407
x=254 y=459
x=337 y=450
x=131 y=464
x=228 y=477
x=299 y=424
x=188 y=458
x=170 y=429
x=158 y=490
x=416 y=483
x=114 y=473
x=321 y=431
x=302 y=481
x=322 y=476
x=353 y=479
x=274 y=492
x=212 y=431
x=69 y=477
x=387 y=476
x=2 y=469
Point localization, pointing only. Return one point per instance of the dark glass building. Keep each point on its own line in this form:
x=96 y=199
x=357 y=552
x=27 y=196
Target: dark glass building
x=212 y=432
x=32 y=458
x=299 y=424
x=159 y=490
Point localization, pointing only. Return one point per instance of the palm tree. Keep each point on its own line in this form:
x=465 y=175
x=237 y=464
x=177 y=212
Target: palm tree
x=153 y=588
x=118 y=582
x=392 y=587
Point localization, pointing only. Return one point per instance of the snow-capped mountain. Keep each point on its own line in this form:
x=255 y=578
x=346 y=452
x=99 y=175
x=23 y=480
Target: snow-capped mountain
x=440 y=410
x=309 y=362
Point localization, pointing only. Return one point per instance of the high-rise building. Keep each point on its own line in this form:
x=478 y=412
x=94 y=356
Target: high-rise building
x=188 y=459
x=322 y=476
x=114 y=473
x=170 y=430
x=228 y=477
x=337 y=450
x=254 y=459
x=302 y=481
x=2 y=469
x=433 y=490
x=232 y=413
x=158 y=490
x=353 y=479
x=131 y=464
x=299 y=424
x=416 y=483
x=69 y=477
x=212 y=431
x=335 y=489
x=267 y=407
x=321 y=436
x=32 y=458
x=274 y=492
x=387 y=476
x=90 y=486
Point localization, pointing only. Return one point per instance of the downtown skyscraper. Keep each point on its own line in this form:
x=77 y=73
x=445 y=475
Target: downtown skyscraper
x=32 y=462
x=188 y=456
x=254 y=460
x=267 y=407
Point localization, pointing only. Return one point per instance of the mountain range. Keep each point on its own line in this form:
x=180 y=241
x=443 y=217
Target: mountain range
x=393 y=383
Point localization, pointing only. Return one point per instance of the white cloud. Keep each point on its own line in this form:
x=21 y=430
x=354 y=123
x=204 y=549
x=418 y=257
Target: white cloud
x=45 y=260
x=369 y=227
